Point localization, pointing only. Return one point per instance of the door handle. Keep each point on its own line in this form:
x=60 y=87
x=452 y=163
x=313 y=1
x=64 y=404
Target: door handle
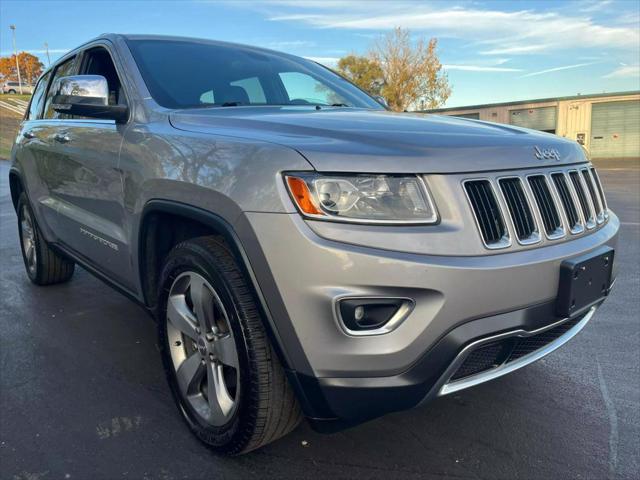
x=62 y=137
x=29 y=135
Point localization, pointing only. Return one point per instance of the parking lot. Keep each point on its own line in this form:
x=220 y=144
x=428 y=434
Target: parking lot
x=82 y=393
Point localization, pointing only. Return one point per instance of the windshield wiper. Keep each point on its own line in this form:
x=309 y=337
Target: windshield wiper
x=340 y=105
x=231 y=104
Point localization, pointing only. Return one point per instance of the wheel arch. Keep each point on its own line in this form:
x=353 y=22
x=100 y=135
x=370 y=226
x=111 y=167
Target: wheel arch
x=16 y=186
x=211 y=224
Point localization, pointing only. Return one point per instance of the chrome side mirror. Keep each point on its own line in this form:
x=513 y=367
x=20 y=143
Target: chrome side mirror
x=86 y=96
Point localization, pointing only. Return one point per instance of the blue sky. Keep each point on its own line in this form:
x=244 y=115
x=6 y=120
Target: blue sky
x=492 y=50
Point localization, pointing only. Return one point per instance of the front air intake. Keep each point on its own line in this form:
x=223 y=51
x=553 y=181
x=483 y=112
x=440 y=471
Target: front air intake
x=487 y=213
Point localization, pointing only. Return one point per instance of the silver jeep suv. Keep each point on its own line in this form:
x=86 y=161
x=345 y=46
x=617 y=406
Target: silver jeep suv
x=303 y=250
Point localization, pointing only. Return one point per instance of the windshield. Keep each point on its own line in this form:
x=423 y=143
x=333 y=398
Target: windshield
x=189 y=74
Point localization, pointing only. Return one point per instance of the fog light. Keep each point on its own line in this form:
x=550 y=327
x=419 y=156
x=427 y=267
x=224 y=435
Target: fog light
x=373 y=316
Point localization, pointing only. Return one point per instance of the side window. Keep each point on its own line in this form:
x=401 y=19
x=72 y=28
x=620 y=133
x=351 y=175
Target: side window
x=253 y=88
x=37 y=99
x=97 y=61
x=247 y=91
x=304 y=89
x=63 y=70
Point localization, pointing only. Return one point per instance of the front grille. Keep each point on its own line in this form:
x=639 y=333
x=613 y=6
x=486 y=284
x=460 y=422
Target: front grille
x=595 y=198
x=486 y=210
x=502 y=352
x=561 y=202
x=546 y=205
x=582 y=196
x=570 y=210
x=518 y=206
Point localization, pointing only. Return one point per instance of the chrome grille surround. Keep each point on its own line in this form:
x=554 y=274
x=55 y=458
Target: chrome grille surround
x=587 y=203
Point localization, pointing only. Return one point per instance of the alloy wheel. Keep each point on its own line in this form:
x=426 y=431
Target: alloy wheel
x=203 y=349
x=28 y=235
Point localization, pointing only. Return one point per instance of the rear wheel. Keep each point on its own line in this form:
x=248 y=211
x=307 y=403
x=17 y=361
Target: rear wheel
x=223 y=373
x=43 y=265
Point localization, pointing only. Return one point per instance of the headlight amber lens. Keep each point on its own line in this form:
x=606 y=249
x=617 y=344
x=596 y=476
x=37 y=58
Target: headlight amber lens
x=363 y=198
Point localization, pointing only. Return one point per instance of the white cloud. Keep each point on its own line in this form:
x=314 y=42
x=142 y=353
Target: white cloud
x=595 y=6
x=511 y=32
x=516 y=50
x=480 y=68
x=624 y=71
x=556 y=69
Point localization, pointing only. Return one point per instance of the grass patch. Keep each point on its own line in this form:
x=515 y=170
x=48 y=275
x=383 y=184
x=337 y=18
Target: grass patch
x=9 y=125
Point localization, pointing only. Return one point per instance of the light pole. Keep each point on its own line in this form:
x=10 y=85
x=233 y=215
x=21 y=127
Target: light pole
x=15 y=51
x=46 y=46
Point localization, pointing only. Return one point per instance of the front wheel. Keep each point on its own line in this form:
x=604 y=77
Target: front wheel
x=221 y=369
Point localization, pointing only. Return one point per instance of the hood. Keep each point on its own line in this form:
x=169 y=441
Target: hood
x=356 y=140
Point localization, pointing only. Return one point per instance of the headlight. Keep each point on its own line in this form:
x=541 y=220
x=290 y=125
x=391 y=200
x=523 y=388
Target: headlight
x=391 y=199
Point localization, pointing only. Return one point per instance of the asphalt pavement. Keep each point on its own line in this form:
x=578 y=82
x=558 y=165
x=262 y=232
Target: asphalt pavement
x=83 y=396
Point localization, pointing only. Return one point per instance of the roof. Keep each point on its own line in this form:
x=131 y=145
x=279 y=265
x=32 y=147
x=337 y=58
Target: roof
x=537 y=100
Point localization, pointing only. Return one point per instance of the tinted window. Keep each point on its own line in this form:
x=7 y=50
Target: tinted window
x=37 y=100
x=186 y=74
x=97 y=61
x=63 y=70
x=303 y=88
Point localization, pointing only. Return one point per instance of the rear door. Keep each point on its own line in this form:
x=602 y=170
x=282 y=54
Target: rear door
x=84 y=182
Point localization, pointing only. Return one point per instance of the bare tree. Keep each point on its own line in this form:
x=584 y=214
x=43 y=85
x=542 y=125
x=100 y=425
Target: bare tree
x=412 y=72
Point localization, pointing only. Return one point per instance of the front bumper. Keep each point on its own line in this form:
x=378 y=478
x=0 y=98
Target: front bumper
x=344 y=379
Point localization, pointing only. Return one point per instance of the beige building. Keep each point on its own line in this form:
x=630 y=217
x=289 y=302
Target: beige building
x=608 y=124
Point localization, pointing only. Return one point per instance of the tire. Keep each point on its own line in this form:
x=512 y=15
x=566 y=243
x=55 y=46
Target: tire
x=12 y=92
x=43 y=265
x=205 y=308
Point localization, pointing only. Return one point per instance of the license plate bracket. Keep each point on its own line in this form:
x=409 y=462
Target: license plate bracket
x=584 y=281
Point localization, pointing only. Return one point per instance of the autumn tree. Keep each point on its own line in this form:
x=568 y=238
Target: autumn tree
x=410 y=74
x=30 y=67
x=365 y=72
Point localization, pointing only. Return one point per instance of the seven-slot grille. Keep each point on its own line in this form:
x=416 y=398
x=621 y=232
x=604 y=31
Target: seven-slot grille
x=521 y=214
x=561 y=196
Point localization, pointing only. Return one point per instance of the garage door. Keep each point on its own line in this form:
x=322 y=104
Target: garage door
x=475 y=116
x=543 y=118
x=615 y=129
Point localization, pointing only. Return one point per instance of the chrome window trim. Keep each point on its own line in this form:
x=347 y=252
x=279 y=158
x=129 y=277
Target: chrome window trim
x=448 y=387
x=535 y=235
x=562 y=230
x=505 y=241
